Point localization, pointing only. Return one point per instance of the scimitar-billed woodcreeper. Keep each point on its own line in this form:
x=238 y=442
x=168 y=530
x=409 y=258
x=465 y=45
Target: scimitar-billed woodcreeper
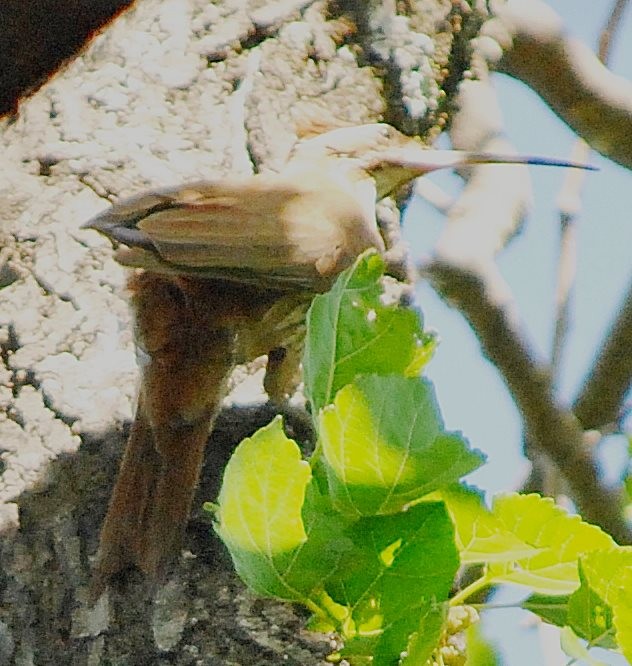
x=228 y=270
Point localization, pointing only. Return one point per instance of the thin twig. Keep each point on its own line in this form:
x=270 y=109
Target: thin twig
x=569 y=205
x=607 y=34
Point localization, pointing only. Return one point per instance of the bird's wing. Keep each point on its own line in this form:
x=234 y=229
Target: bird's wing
x=241 y=229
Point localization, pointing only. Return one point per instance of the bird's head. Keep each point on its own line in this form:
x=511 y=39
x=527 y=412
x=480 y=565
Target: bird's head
x=392 y=158
x=376 y=149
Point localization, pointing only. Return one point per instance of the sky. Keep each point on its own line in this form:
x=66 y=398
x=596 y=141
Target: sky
x=473 y=398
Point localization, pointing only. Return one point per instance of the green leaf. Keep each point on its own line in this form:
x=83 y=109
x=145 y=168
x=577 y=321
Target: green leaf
x=318 y=557
x=384 y=446
x=552 y=609
x=589 y=616
x=584 y=611
x=400 y=569
x=350 y=331
x=561 y=537
x=423 y=354
x=589 y=610
x=360 y=650
x=604 y=571
x=480 y=536
x=259 y=516
x=622 y=613
x=265 y=474
x=408 y=555
x=609 y=575
x=397 y=644
x=423 y=641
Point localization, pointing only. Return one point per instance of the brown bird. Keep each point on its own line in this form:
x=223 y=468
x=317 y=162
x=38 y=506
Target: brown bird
x=230 y=267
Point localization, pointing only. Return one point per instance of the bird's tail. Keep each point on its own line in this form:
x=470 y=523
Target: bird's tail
x=186 y=345
x=189 y=334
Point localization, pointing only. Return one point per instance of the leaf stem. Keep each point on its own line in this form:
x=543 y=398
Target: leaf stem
x=485 y=606
x=316 y=609
x=316 y=454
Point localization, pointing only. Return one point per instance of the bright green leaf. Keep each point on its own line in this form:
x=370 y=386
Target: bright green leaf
x=480 y=536
x=604 y=570
x=384 y=446
x=609 y=574
x=350 y=331
x=562 y=538
x=263 y=491
x=259 y=516
x=622 y=613
x=332 y=615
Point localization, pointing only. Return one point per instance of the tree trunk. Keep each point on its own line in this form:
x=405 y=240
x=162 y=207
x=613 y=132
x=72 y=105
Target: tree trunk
x=173 y=90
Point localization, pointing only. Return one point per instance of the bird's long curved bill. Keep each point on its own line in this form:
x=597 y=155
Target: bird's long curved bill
x=424 y=161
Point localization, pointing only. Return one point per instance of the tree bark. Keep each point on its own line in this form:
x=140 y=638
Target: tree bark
x=172 y=91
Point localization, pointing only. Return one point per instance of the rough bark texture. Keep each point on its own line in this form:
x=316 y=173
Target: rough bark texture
x=172 y=90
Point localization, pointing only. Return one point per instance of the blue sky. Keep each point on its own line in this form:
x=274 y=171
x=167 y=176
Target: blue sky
x=472 y=396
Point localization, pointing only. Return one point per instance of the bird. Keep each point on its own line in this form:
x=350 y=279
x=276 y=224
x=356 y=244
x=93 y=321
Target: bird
x=224 y=272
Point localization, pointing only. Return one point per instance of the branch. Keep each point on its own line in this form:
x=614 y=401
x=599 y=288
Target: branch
x=586 y=95
x=475 y=230
x=465 y=274
x=604 y=390
x=599 y=402
x=552 y=429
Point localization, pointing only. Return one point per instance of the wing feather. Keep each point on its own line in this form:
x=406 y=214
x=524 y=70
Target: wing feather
x=292 y=232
